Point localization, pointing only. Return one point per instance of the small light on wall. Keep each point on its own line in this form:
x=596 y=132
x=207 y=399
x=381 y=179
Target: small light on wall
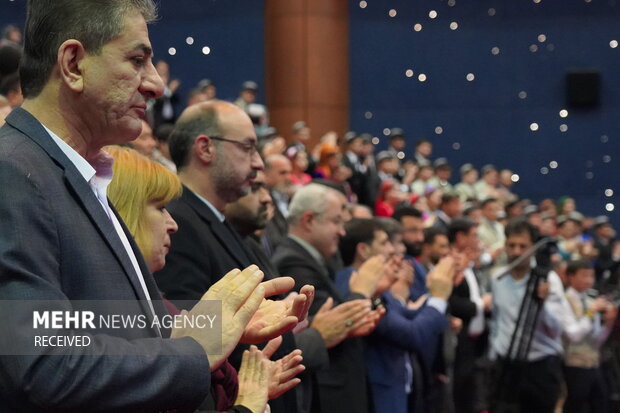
x=422 y=77
x=515 y=178
x=563 y=113
x=610 y=207
x=534 y=126
x=363 y=4
x=553 y=164
x=470 y=77
x=368 y=115
x=522 y=94
x=544 y=170
x=172 y=51
x=189 y=40
x=491 y=12
x=438 y=130
x=375 y=140
x=563 y=127
x=206 y=50
x=613 y=44
x=409 y=73
x=454 y=26
x=495 y=50
x=417 y=27
x=392 y=13
x=432 y=14
x=609 y=193
x=542 y=38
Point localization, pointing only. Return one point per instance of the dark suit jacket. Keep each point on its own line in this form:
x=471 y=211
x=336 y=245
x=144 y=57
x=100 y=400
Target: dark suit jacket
x=57 y=243
x=400 y=332
x=342 y=386
x=202 y=251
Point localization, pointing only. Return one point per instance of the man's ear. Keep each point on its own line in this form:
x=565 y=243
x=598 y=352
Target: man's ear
x=71 y=64
x=362 y=250
x=204 y=149
x=307 y=219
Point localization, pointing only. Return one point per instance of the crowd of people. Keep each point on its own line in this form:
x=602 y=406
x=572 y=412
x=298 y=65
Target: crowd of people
x=411 y=291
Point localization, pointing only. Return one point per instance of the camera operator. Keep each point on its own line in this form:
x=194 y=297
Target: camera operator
x=529 y=381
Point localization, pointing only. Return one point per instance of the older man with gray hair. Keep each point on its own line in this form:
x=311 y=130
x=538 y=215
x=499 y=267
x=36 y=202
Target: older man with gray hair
x=316 y=224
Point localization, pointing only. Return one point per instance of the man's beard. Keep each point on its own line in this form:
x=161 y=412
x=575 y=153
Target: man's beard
x=414 y=249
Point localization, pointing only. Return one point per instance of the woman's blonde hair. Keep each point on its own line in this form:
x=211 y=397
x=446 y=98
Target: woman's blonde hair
x=138 y=181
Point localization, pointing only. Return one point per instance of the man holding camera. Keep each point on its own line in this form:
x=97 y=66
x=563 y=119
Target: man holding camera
x=529 y=381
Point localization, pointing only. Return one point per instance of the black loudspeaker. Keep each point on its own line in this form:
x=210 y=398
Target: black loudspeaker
x=583 y=88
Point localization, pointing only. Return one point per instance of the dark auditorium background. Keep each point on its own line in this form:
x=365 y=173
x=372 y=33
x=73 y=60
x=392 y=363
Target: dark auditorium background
x=494 y=71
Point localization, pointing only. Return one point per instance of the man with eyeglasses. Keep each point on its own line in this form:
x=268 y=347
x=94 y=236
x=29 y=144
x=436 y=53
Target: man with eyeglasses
x=213 y=146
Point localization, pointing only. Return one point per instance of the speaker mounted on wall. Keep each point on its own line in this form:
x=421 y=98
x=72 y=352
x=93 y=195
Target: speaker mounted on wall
x=583 y=88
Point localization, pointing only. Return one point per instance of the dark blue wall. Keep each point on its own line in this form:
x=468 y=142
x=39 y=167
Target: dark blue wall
x=485 y=117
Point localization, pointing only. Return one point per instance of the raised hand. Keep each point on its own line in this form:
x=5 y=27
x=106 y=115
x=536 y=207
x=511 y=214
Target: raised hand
x=241 y=294
x=334 y=324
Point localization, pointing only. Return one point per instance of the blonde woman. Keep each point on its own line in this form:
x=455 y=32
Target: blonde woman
x=140 y=191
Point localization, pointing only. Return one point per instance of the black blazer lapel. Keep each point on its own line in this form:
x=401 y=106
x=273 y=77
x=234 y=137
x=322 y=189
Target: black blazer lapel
x=230 y=241
x=320 y=268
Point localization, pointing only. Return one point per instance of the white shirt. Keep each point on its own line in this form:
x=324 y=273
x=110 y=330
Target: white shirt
x=98 y=180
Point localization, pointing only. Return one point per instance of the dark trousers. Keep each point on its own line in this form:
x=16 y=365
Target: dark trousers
x=586 y=390
x=526 y=387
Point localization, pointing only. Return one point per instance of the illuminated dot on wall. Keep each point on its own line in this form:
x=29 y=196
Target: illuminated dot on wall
x=609 y=193
x=563 y=127
x=613 y=44
x=563 y=113
x=400 y=155
x=392 y=13
x=553 y=164
x=438 y=130
x=522 y=94
x=432 y=14
x=363 y=4
x=368 y=115
x=206 y=50
x=589 y=175
x=470 y=77
x=491 y=12
x=544 y=170
x=604 y=138
x=515 y=178
x=536 y=1
x=454 y=26
x=451 y=3
x=422 y=77
x=606 y=159
x=417 y=27
x=409 y=73
x=533 y=48
x=610 y=207
x=534 y=126
x=386 y=131
x=495 y=50
x=456 y=146
x=172 y=51
x=542 y=38
x=189 y=40
x=375 y=140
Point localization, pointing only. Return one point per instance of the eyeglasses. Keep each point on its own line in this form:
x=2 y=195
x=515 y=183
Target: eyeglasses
x=249 y=147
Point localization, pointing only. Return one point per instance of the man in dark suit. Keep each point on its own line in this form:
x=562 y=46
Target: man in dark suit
x=316 y=225
x=86 y=84
x=214 y=148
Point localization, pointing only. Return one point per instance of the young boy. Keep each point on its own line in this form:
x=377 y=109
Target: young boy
x=587 y=323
